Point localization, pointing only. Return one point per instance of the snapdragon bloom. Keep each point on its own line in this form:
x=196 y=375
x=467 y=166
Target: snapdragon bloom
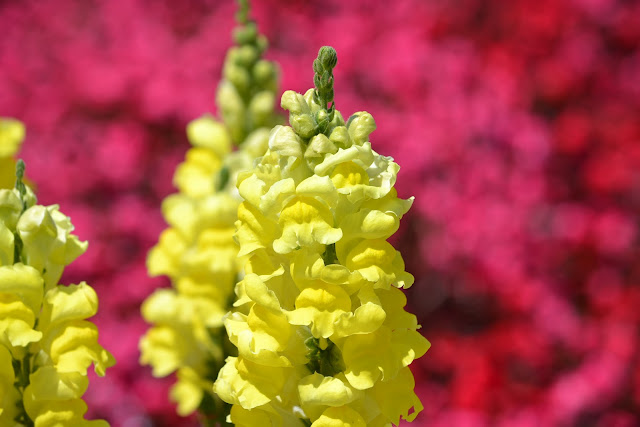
x=197 y=252
x=320 y=326
x=46 y=343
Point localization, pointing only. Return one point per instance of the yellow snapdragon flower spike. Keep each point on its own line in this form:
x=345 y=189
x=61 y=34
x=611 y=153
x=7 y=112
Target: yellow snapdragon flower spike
x=198 y=251
x=46 y=343
x=12 y=134
x=322 y=335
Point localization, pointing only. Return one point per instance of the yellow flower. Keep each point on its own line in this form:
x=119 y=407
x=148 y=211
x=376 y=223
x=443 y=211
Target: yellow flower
x=46 y=345
x=21 y=293
x=49 y=245
x=198 y=251
x=320 y=317
x=249 y=384
x=305 y=222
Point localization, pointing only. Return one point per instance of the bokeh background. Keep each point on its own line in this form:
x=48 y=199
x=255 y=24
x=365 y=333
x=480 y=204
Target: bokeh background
x=517 y=127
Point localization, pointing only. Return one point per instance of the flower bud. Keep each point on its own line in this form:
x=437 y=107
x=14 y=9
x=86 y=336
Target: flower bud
x=294 y=103
x=10 y=207
x=303 y=124
x=360 y=125
x=264 y=72
x=247 y=56
x=232 y=109
x=238 y=76
x=209 y=133
x=261 y=108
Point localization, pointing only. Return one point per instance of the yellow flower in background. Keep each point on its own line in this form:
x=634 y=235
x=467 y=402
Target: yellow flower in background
x=198 y=251
x=12 y=134
x=320 y=325
x=46 y=343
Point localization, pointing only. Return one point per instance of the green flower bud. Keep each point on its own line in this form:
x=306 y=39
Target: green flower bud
x=232 y=109
x=294 y=103
x=321 y=116
x=247 y=55
x=340 y=137
x=284 y=141
x=303 y=124
x=237 y=75
x=246 y=34
x=264 y=73
x=261 y=108
x=312 y=101
x=262 y=43
x=319 y=146
x=328 y=57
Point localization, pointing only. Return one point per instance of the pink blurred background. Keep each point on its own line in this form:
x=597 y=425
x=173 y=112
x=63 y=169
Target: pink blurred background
x=517 y=127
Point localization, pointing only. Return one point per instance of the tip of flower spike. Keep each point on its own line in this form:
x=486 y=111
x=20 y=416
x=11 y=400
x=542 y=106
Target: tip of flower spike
x=323 y=67
x=246 y=33
x=242 y=16
x=328 y=57
x=20 y=166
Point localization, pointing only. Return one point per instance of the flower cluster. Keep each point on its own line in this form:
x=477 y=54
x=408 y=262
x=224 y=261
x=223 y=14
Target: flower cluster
x=320 y=327
x=46 y=343
x=11 y=136
x=197 y=252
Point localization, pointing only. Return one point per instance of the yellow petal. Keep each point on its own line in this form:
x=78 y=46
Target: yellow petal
x=12 y=134
x=397 y=398
x=10 y=206
x=73 y=346
x=16 y=322
x=321 y=308
x=254 y=230
x=194 y=177
x=360 y=125
x=63 y=303
x=6 y=245
x=317 y=392
x=189 y=390
x=46 y=383
x=164 y=258
x=305 y=221
x=248 y=384
x=342 y=416
x=206 y=132
x=24 y=282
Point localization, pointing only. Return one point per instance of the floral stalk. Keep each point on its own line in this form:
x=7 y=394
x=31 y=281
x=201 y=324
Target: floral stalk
x=197 y=252
x=46 y=343
x=322 y=335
